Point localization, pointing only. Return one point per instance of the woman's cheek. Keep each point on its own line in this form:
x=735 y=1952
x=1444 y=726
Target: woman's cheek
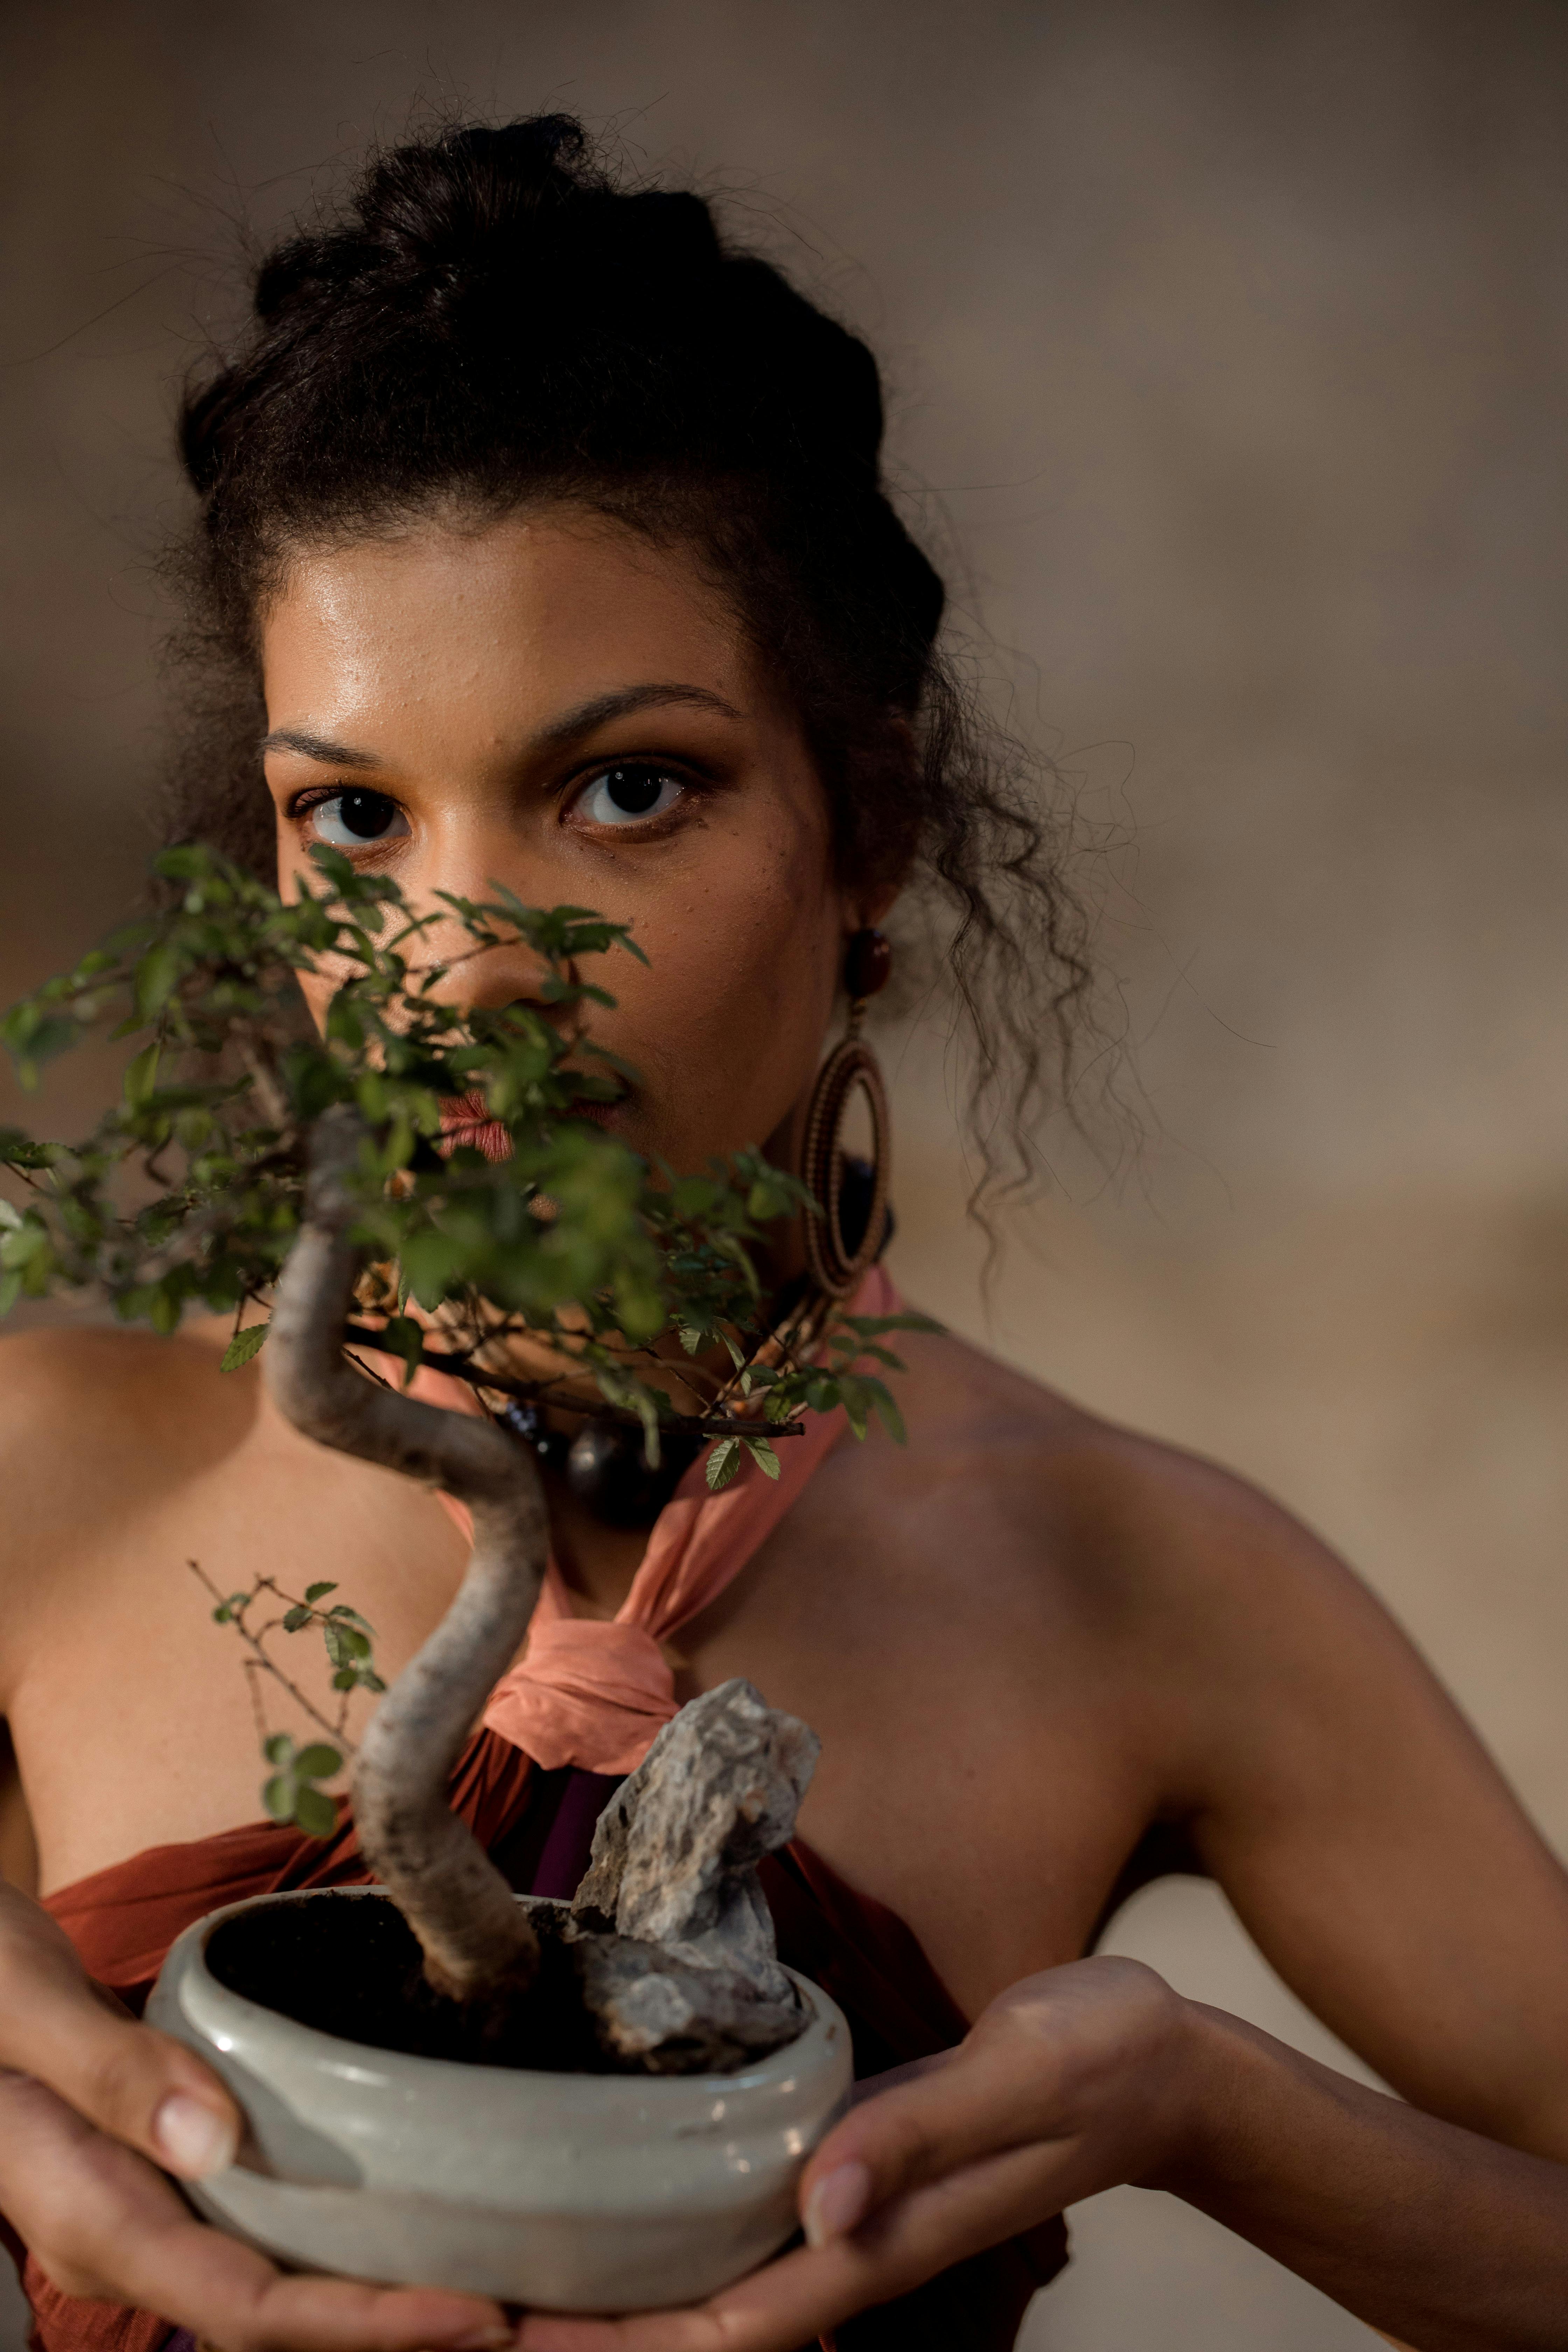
x=724 y=1057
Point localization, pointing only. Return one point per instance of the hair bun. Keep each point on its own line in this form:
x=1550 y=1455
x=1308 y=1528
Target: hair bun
x=435 y=214
x=423 y=208
x=513 y=243
x=490 y=309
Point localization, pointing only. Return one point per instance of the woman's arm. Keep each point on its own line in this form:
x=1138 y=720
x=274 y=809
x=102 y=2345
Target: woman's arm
x=1366 y=1841
x=1096 y=2075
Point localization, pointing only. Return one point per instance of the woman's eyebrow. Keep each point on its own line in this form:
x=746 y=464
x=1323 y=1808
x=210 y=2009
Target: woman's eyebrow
x=317 y=747
x=561 y=731
x=605 y=707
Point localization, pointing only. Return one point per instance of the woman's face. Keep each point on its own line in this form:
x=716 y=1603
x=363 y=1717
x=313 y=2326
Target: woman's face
x=552 y=703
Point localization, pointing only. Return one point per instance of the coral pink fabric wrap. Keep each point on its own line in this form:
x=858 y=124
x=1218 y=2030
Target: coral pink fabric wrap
x=595 y=1692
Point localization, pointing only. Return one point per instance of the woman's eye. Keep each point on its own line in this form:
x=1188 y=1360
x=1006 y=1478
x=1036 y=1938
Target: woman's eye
x=349 y=820
x=630 y=795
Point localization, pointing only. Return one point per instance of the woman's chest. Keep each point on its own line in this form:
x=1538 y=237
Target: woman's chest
x=138 y=1715
x=987 y=1764
x=978 y=1773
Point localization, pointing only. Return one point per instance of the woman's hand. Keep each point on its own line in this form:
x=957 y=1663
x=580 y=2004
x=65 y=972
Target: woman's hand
x=105 y=2108
x=1070 y=2082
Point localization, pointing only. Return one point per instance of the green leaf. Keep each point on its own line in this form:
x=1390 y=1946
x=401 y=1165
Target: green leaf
x=342 y=1609
x=403 y=1334
x=244 y=1346
x=157 y=977
x=318 y=1592
x=345 y=1644
x=724 y=1464
x=317 y=1762
x=639 y=1309
x=763 y=1454
x=872 y=1327
x=279 y=1796
x=163 y=1310
x=278 y=1748
x=19 y=1150
x=345 y=1679
x=886 y=1411
x=296 y=1617
x=316 y=1814
x=142 y=1076
x=767 y=1200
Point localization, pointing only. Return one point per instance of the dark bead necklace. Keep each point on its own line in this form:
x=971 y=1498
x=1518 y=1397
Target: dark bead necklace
x=603 y=1462
x=603 y=1465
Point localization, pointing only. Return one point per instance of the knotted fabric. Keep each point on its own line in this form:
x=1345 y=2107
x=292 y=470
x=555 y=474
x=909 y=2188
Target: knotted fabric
x=595 y=1692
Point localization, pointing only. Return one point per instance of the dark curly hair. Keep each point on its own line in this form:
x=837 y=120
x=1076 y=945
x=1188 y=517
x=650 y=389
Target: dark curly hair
x=491 y=321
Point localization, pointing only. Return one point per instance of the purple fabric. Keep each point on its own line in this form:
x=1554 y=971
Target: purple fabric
x=570 y=1837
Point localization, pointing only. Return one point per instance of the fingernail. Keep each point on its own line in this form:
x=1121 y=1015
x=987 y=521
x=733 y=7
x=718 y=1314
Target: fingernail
x=192 y=2139
x=485 y=2339
x=838 y=2203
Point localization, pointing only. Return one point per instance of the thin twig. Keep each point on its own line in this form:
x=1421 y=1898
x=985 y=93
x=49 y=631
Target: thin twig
x=460 y=1368
x=202 y=1223
x=251 y=1671
x=259 y=1659
x=266 y=1085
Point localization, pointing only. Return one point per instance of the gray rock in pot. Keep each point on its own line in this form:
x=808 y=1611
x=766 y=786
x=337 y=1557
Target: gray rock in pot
x=674 y=1938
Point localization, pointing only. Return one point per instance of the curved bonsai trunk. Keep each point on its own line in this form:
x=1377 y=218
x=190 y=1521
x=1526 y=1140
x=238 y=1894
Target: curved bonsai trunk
x=476 y=1937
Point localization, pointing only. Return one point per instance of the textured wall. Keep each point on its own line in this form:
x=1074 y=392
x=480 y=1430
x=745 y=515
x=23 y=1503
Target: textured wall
x=1227 y=346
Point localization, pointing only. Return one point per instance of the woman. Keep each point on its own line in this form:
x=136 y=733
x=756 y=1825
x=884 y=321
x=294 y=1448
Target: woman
x=543 y=542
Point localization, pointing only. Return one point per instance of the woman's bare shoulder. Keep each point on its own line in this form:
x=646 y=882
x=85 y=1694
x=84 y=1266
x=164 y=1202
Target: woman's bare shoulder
x=1185 y=1580
x=90 y=1412
x=1140 y=1519
x=115 y=1364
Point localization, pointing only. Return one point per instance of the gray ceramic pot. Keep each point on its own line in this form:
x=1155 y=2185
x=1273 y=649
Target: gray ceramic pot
x=569 y=2192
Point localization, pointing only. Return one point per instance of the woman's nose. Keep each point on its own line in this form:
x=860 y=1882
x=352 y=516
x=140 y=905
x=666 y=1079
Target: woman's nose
x=455 y=967
x=479 y=978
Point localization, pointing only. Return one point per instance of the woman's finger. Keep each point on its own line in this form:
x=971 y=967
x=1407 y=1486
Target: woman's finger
x=101 y=2223
x=138 y=2086
x=811 y=2292
x=1043 y=2063
x=1066 y=2084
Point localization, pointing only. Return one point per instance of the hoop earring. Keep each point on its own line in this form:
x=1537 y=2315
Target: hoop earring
x=840 y=1261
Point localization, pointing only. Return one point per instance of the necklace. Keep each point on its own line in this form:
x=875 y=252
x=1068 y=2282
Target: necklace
x=603 y=1462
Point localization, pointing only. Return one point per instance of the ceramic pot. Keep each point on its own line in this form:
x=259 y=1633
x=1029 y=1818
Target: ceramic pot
x=569 y=2192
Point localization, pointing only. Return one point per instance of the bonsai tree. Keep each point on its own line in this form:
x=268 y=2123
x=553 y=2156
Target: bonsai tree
x=312 y=1187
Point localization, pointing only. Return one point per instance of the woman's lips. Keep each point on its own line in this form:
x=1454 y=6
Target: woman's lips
x=466 y=1120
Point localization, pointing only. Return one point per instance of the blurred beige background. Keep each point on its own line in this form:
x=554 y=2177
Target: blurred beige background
x=1227 y=348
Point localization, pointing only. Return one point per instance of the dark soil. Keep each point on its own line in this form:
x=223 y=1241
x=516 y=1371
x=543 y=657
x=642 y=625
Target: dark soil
x=349 y=1965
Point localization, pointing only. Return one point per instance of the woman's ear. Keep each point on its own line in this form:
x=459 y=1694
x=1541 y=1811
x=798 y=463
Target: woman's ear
x=886 y=777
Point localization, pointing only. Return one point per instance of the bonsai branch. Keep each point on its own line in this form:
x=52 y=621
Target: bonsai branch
x=264 y=1083
x=463 y=1368
x=478 y=1943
